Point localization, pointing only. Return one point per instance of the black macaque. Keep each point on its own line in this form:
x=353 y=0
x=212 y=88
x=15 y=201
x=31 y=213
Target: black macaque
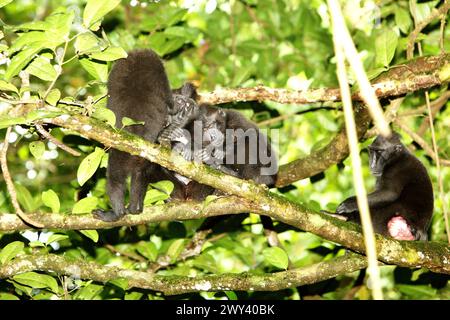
x=402 y=204
x=138 y=88
x=228 y=142
x=225 y=140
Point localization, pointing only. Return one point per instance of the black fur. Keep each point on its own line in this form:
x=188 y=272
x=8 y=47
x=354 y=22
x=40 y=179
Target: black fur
x=234 y=154
x=403 y=188
x=138 y=88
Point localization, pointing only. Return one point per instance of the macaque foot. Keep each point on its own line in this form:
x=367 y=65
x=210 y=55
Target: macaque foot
x=131 y=210
x=107 y=216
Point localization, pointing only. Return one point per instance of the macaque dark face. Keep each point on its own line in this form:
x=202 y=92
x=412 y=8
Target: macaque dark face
x=384 y=151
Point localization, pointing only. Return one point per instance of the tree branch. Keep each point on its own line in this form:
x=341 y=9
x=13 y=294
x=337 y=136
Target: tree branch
x=171 y=285
x=420 y=73
x=432 y=255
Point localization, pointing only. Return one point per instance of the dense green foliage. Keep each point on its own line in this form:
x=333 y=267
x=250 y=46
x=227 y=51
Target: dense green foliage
x=68 y=48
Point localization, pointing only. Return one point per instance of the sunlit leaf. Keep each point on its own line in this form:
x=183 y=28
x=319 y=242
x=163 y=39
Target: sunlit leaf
x=96 y=9
x=97 y=69
x=276 y=257
x=85 y=205
x=37 y=280
x=109 y=54
x=37 y=149
x=91 y=234
x=10 y=251
x=53 y=97
x=51 y=200
x=175 y=249
x=89 y=165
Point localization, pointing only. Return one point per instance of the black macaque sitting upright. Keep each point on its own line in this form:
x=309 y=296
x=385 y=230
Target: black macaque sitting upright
x=402 y=204
x=138 y=88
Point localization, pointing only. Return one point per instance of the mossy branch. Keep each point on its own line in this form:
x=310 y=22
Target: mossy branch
x=171 y=285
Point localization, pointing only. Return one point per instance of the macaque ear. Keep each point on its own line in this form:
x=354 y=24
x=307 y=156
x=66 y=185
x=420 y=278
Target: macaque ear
x=222 y=113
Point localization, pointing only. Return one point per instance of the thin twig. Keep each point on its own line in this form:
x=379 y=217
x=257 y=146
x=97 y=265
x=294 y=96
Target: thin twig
x=442 y=10
x=435 y=106
x=339 y=35
x=420 y=26
x=442 y=33
x=125 y=254
x=58 y=71
x=438 y=167
x=58 y=143
x=10 y=184
x=192 y=249
x=420 y=141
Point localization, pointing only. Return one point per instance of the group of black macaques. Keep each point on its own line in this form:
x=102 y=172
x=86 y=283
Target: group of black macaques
x=401 y=205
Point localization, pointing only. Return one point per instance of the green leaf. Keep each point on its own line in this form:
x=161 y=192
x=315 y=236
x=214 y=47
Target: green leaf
x=106 y=115
x=42 y=68
x=188 y=34
x=148 y=250
x=98 y=70
x=4 y=2
x=7 y=121
x=121 y=283
x=28 y=39
x=25 y=199
x=403 y=20
x=37 y=149
x=5 y=86
x=417 y=291
x=10 y=251
x=56 y=237
x=36 y=280
x=51 y=200
x=89 y=165
x=91 y=234
x=172 y=45
x=20 y=60
x=385 y=45
x=8 y=296
x=89 y=292
x=60 y=23
x=231 y=295
x=373 y=73
x=276 y=257
x=423 y=10
x=152 y=196
x=96 y=9
x=109 y=54
x=164 y=186
x=133 y=295
x=34 y=244
x=175 y=249
x=86 y=42
x=33 y=25
x=85 y=205
x=53 y=97
x=130 y=122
